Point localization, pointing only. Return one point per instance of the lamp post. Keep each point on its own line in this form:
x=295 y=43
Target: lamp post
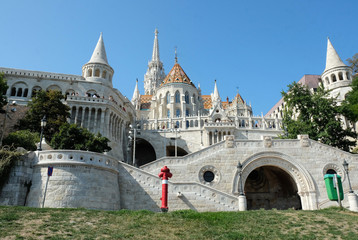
x=133 y=132
x=239 y=168
x=176 y=130
x=43 y=125
x=345 y=165
x=13 y=103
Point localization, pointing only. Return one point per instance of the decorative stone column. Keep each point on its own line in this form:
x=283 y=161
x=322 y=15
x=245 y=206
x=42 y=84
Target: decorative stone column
x=353 y=202
x=242 y=203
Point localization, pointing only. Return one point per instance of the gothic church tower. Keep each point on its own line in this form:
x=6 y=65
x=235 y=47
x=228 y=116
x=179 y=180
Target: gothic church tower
x=155 y=73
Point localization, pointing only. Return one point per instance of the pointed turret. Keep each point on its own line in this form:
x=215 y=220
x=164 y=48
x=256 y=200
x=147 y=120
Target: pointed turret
x=337 y=76
x=99 y=54
x=332 y=60
x=136 y=97
x=136 y=94
x=98 y=69
x=215 y=97
x=155 y=73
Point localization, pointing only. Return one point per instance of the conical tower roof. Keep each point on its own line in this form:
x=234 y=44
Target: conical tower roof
x=332 y=60
x=177 y=75
x=99 y=54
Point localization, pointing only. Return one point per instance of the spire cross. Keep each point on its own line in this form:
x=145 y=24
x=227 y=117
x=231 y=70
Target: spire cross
x=176 y=55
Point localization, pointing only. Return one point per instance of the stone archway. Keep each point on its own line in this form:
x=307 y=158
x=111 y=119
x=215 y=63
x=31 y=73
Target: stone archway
x=271 y=187
x=284 y=167
x=145 y=152
x=171 y=151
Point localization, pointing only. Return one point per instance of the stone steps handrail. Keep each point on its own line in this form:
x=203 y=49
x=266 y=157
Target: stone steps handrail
x=184 y=159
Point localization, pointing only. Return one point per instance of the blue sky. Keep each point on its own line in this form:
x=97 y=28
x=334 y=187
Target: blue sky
x=257 y=47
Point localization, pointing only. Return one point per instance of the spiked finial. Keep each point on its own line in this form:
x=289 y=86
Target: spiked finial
x=176 y=55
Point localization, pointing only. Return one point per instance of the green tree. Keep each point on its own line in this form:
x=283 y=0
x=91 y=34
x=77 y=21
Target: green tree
x=353 y=63
x=22 y=138
x=315 y=114
x=71 y=136
x=350 y=104
x=49 y=104
x=3 y=89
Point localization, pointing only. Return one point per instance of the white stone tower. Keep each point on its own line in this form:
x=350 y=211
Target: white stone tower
x=337 y=76
x=98 y=69
x=155 y=73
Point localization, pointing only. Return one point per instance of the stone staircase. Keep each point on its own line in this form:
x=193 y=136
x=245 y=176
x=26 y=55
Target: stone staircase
x=181 y=195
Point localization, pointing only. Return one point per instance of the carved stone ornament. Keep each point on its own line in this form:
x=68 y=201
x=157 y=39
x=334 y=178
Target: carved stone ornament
x=268 y=142
x=229 y=142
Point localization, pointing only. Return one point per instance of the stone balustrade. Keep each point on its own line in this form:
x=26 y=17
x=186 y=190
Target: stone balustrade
x=75 y=157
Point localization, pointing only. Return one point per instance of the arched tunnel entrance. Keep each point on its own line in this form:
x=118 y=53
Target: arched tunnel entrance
x=271 y=187
x=171 y=151
x=144 y=152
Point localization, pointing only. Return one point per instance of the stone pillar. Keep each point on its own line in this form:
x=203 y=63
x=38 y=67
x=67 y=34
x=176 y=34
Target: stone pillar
x=102 y=125
x=83 y=116
x=242 y=203
x=95 y=120
x=76 y=115
x=353 y=202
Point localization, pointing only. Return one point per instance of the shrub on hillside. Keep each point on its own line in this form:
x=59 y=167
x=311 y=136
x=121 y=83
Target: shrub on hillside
x=22 y=138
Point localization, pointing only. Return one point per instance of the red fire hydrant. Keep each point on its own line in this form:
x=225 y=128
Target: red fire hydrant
x=164 y=175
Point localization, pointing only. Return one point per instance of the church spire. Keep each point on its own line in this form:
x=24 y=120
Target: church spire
x=155 y=55
x=155 y=73
x=332 y=60
x=99 y=54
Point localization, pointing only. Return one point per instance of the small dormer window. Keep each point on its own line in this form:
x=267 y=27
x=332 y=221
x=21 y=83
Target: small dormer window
x=177 y=79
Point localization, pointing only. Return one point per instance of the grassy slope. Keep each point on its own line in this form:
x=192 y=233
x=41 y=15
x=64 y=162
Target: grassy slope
x=32 y=223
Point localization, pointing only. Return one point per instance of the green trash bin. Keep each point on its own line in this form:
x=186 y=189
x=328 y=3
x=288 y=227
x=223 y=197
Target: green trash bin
x=330 y=186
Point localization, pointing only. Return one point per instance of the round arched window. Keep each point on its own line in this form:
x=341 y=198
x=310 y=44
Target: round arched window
x=209 y=176
x=331 y=171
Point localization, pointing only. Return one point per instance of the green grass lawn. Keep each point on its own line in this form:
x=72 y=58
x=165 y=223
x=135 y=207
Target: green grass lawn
x=36 y=223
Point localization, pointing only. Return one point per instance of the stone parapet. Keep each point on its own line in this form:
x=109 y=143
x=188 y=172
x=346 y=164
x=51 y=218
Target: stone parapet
x=79 y=179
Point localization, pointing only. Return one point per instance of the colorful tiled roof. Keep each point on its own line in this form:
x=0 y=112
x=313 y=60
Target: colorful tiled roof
x=145 y=102
x=206 y=101
x=177 y=75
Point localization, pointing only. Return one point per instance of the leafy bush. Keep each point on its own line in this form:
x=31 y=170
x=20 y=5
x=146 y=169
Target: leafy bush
x=49 y=104
x=22 y=138
x=71 y=136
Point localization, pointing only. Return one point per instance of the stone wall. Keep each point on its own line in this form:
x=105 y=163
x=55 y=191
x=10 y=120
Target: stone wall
x=80 y=179
x=16 y=189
